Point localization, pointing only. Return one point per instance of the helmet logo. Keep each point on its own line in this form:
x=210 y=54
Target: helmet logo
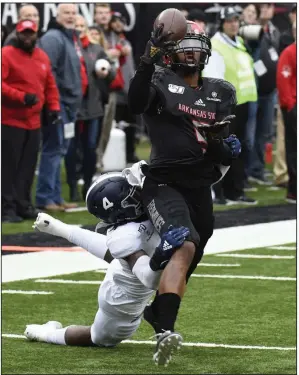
x=107 y=204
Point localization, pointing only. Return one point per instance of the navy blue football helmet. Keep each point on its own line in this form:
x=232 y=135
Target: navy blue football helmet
x=111 y=199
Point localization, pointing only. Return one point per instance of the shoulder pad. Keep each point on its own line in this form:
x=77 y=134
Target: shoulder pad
x=227 y=89
x=159 y=74
x=124 y=240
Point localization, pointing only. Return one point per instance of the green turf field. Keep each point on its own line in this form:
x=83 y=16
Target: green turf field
x=263 y=195
x=230 y=311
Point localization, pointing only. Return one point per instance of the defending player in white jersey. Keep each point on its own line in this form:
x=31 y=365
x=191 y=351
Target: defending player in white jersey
x=137 y=256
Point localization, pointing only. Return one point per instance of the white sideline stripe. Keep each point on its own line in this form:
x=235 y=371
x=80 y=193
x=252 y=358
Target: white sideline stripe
x=63 y=281
x=24 y=292
x=256 y=256
x=218 y=265
x=192 y=344
x=246 y=277
x=48 y=264
x=235 y=277
x=282 y=247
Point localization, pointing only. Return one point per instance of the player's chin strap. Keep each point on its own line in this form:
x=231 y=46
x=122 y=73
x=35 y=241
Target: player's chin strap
x=134 y=175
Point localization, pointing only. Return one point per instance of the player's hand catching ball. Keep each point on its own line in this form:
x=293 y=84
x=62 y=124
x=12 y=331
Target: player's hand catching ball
x=170 y=26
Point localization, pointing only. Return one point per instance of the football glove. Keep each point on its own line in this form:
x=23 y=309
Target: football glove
x=217 y=127
x=234 y=144
x=170 y=241
x=156 y=46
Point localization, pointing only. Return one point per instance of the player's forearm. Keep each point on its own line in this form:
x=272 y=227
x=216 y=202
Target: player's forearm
x=93 y=242
x=139 y=91
x=145 y=274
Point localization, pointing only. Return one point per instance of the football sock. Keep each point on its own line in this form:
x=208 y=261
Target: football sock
x=57 y=336
x=168 y=307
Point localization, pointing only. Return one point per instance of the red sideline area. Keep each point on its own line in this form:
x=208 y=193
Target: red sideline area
x=30 y=248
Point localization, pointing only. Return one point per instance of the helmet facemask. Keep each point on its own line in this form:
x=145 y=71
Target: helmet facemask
x=191 y=53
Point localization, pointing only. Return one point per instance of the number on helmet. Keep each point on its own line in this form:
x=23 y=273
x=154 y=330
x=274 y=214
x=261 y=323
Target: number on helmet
x=107 y=204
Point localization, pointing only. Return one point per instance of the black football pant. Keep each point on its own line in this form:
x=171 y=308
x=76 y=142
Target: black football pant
x=290 y=128
x=172 y=205
x=19 y=158
x=232 y=185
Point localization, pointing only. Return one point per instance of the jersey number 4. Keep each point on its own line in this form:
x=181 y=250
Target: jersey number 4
x=107 y=204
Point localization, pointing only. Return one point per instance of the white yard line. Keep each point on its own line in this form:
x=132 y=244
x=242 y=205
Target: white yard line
x=274 y=278
x=245 y=277
x=48 y=264
x=256 y=256
x=25 y=292
x=63 y=281
x=282 y=247
x=190 y=344
x=218 y=265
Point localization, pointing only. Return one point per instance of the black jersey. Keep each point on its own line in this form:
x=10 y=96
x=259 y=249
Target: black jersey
x=178 y=147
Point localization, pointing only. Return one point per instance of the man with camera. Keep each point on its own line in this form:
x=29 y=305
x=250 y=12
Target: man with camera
x=231 y=61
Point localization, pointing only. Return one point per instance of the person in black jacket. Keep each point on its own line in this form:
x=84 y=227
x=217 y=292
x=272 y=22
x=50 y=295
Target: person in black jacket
x=287 y=38
x=183 y=113
x=88 y=124
x=266 y=60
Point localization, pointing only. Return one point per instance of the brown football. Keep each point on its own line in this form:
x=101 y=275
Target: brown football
x=172 y=20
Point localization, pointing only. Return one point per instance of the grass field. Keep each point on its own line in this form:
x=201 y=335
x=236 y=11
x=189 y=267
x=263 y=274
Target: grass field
x=264 y=196
x=232 y=311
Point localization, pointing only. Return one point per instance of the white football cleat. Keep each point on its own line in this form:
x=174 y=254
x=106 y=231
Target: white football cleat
x=39 y=332
x=168 y=343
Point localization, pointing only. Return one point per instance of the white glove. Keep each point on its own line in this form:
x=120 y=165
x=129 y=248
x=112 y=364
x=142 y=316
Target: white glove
x=48 y=224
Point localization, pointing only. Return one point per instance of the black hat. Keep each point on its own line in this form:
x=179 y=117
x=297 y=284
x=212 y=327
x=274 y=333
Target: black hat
x=196 y=14
x=228 y=12
x=118 y=16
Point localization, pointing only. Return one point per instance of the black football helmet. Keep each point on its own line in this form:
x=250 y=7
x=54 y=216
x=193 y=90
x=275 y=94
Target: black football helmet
x=111 y=199
x=194 y=41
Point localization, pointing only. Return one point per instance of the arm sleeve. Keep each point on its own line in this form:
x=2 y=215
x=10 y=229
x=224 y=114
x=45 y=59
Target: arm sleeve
x=215 y=67
x=285 y=79
x=8 y=91
x=145 y=274
x=141 y=93
x=93 y=242
x=51 y=91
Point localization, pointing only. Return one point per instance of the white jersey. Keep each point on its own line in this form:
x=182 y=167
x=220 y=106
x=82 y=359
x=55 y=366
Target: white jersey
x=121 y=291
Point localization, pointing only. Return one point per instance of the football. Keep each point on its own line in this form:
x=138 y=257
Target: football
x=172 y=20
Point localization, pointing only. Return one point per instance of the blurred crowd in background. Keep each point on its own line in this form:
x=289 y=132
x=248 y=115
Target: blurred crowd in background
x=63 y=100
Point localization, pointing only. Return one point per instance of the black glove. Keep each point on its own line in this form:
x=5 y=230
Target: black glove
x=54 y=117
x=157 y=46
x=217 y=127
x=30 y=100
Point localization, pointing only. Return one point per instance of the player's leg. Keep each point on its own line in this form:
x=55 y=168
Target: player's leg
x=201 y=209
x=111 y=328
x=166 y=206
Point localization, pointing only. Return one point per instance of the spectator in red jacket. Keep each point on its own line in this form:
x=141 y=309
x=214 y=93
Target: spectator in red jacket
x=27 y=84
x=287 y=93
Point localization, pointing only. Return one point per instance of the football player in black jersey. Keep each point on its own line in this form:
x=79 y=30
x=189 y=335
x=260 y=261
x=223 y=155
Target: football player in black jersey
x=185 y=116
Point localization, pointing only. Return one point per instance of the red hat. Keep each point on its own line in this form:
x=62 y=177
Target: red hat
x=26 y=25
